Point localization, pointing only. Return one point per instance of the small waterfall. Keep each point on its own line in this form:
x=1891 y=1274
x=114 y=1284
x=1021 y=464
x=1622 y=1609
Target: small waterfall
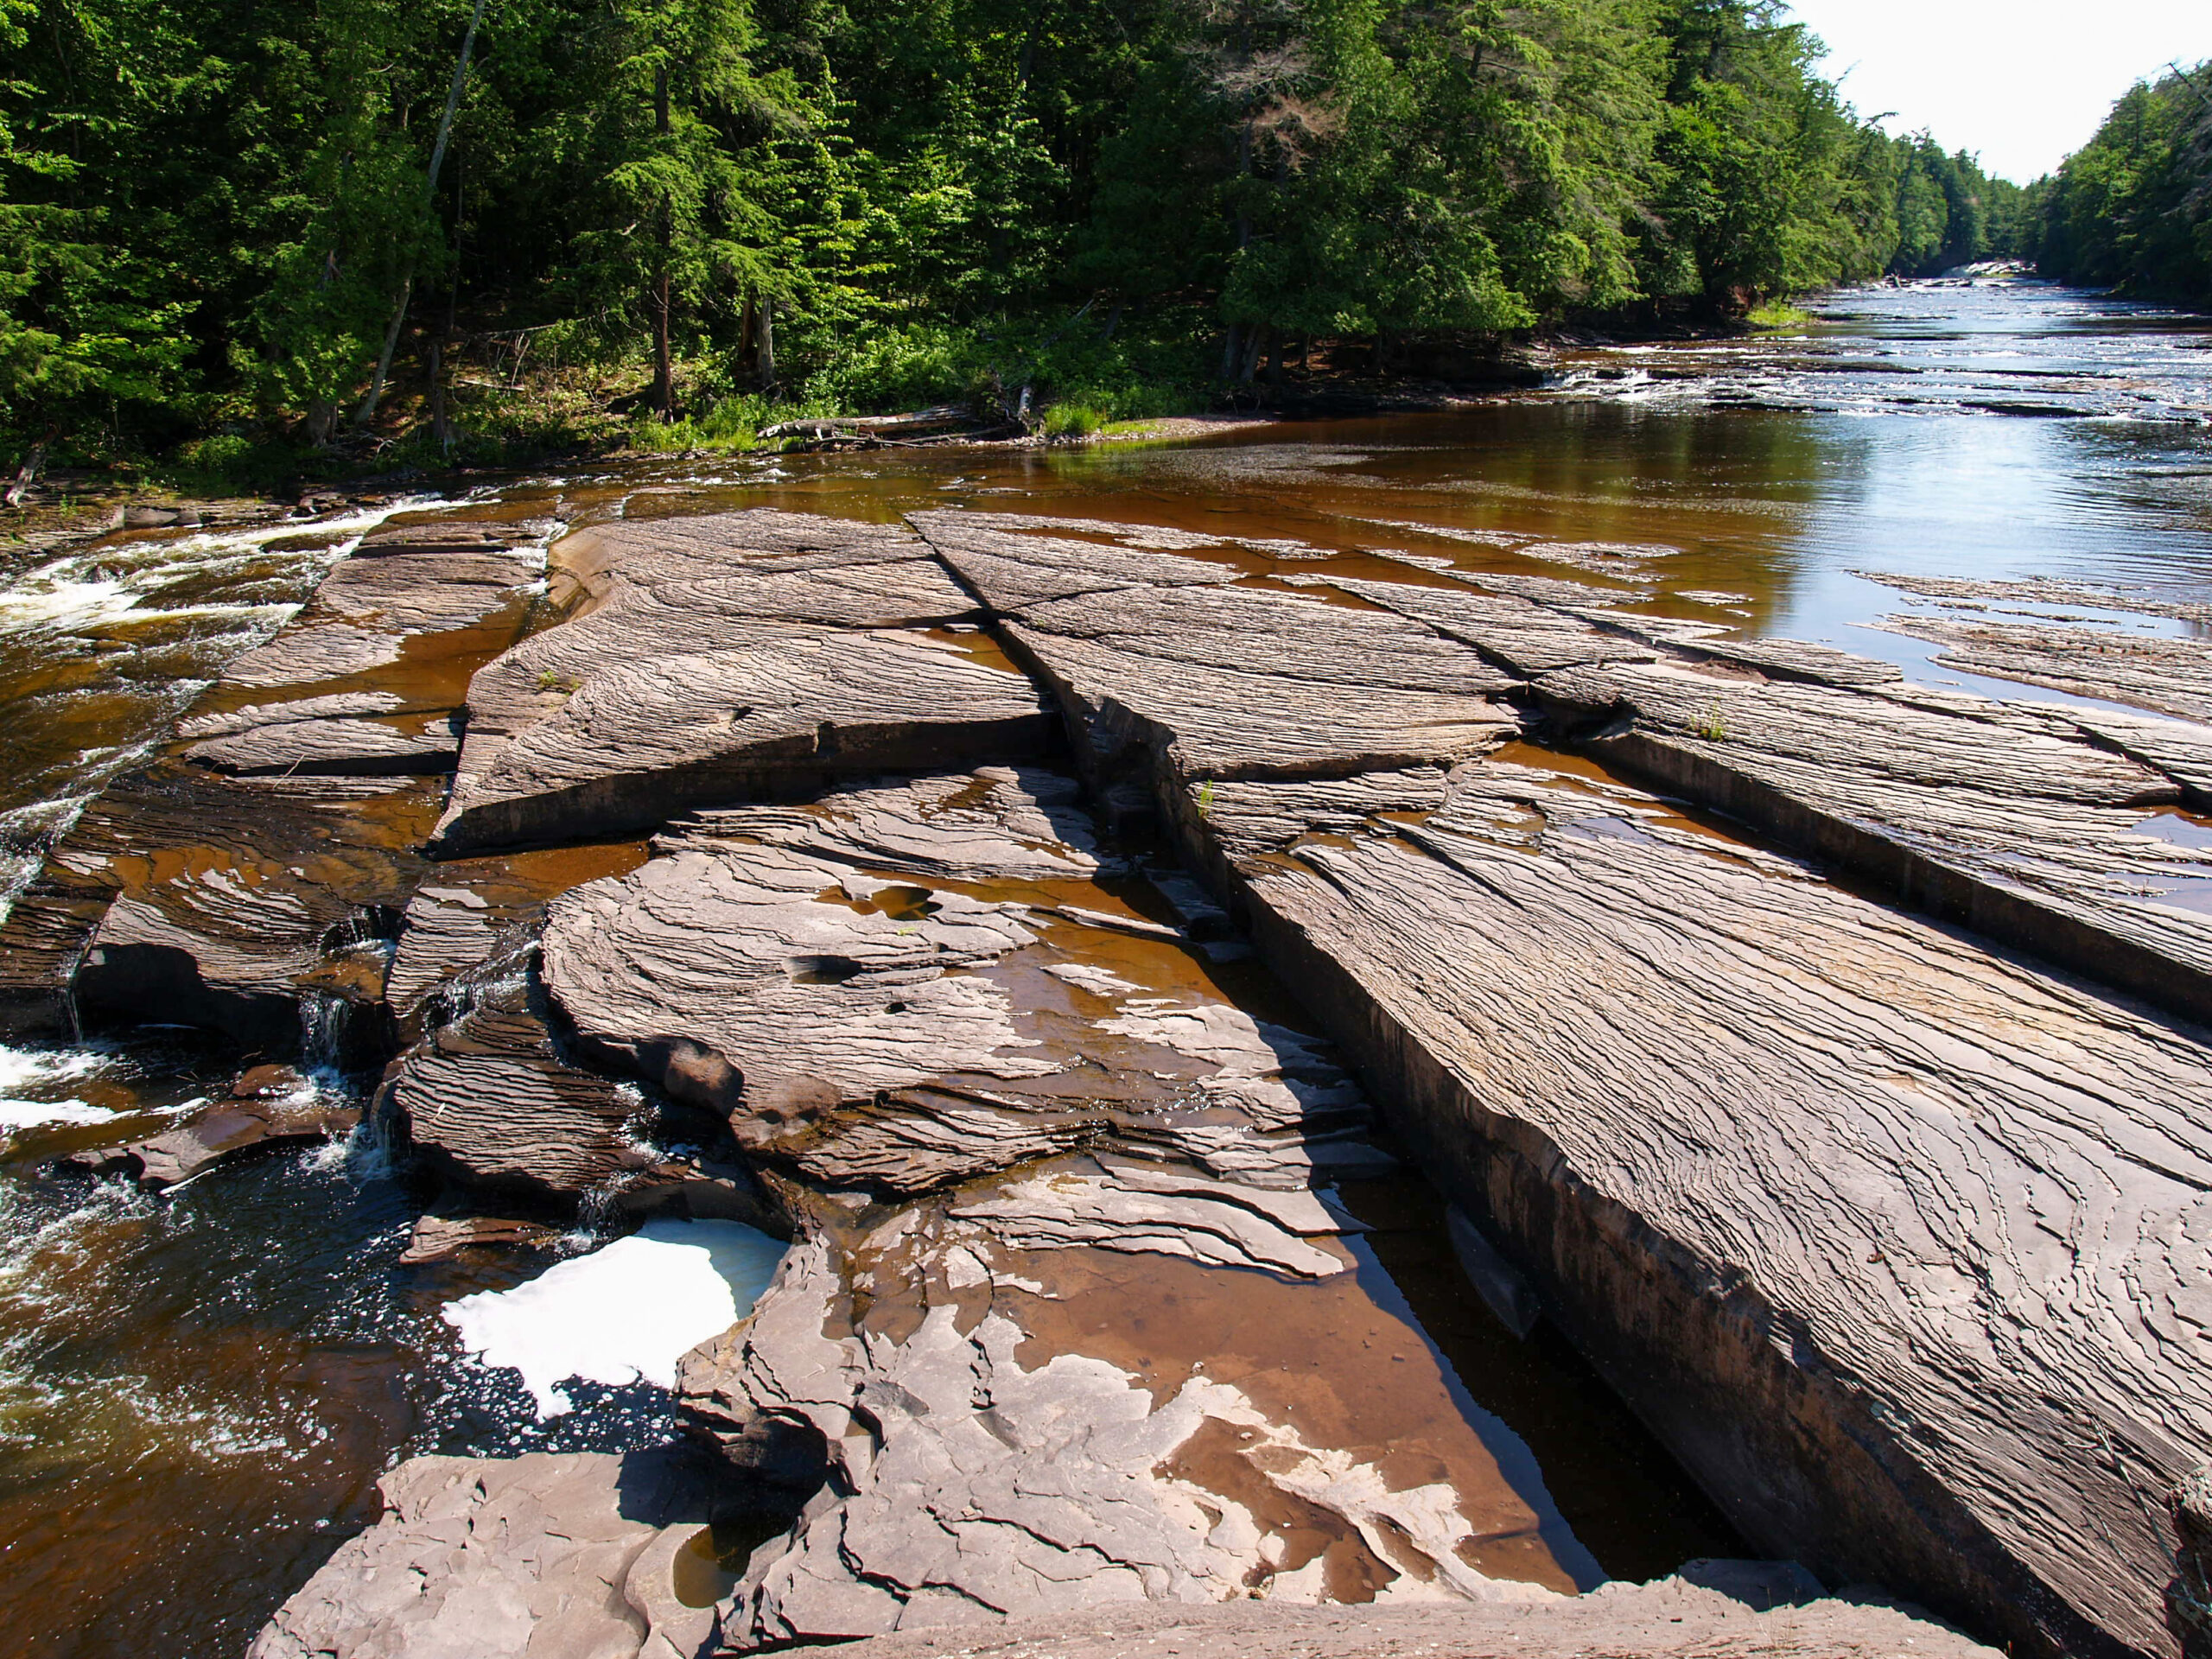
x=323 y=1021
x=595 y=1214
x=505 y=972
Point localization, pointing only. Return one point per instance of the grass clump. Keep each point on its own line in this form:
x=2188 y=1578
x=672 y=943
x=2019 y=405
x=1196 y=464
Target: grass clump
x=1778 y=313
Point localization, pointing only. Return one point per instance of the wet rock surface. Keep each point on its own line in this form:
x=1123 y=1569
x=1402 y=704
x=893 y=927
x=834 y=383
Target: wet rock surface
x=1895 y=1230
x=235 y=902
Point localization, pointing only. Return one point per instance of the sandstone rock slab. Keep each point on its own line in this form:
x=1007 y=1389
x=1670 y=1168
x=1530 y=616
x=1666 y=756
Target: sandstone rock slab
x=1670 y=1619
x=518 y=1558
x=1943 y=1216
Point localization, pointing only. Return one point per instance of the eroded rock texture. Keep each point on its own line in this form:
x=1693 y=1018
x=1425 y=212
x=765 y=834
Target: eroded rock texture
x=1153 y=654
x=1020 y=1419
x=248 y=880
x=917 y=982
x=2028 y=834
x=1801 y=1170
x=1715 y=1609
x=1898 y=1238
x=753 y=654
x=517 y=1558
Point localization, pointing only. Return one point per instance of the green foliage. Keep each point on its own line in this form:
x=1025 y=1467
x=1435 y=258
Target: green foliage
x=2132 y=208
x=1949 y=213
x=671 y=222
x=1778 y=313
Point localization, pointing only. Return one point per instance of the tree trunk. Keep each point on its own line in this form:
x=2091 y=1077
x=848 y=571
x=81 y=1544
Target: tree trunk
x=367 y=412
x=664 y=369
x=439 y=430
x=1274 y=359
x=767 y=343
x=27 y=474
x=1232 y=351
x=1257 y=338
x=748 y=338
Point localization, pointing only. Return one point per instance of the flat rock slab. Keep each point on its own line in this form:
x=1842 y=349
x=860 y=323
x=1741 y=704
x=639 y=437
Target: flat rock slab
x=641 y=742
x=514 y=1558
x=357 y=748
x=444 y=1238
x=1150 y=651
x=917 y=982
x=1881 y=1177
x=2001 y=818
x=1012 y=568
x=246 y=873
x=1673 y=1618
x=225 y=1131
x=403 y=580
x=475 y=918
x=819 y=655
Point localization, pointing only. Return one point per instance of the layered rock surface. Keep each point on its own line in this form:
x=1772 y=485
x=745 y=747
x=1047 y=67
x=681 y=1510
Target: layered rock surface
x=1896 y=1237
x=1927 y=1185
x=523 y=1556
x=257 y=868
x=1713 y=1612
x=760 y=655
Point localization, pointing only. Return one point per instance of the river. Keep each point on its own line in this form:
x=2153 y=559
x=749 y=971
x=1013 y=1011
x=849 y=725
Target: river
x=198 y=1391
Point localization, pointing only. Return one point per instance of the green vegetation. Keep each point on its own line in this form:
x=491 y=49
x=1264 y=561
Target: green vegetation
x=256 y=238
x=2132 y=208
x=1778 y=313
x=1949 y=212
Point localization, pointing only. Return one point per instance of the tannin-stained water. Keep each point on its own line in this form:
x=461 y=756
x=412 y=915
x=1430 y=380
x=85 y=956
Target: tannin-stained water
x=198 y=1391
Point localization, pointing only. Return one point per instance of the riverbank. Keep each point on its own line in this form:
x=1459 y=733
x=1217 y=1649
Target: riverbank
x=2053 y=574
x=543 y=417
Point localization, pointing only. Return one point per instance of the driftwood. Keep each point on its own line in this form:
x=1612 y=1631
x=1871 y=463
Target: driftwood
x=27 y=474
x=921 y=422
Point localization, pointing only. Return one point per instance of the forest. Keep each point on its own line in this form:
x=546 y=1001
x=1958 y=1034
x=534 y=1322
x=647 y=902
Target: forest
x=236 y=232
x=2132 y=208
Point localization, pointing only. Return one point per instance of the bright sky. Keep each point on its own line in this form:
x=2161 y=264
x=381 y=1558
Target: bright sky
x=2023 y=82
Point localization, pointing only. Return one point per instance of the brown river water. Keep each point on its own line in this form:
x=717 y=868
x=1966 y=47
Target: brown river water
x=198 y=1391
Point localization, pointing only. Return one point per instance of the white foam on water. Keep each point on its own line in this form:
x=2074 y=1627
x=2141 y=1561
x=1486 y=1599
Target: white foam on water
x=27 y=1068
x=625 y=1313
x=29 y=1114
